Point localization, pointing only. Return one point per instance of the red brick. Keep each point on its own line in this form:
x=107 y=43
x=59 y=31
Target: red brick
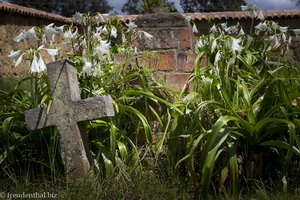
x=186 y=60
x=186 y=38
x=166 y=61
x=177 y=80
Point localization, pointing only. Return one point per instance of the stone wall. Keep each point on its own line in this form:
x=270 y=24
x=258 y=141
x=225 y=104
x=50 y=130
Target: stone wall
x=14 y=19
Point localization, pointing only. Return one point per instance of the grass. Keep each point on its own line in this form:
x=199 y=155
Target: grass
x=146 y=185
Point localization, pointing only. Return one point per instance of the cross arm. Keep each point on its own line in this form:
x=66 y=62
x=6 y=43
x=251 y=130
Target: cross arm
x=37 y=118
x=93 y=108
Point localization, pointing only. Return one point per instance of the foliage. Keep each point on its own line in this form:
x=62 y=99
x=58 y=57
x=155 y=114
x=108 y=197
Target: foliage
x=145 y=6
x=66 y=7
x=210 y=6
x=239 y=121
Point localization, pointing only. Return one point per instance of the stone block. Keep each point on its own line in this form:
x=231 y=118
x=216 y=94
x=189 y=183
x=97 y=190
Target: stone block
x=162 y=20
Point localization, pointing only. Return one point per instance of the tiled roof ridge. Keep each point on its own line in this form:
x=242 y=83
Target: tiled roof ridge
x=13 y=8
x=227 y=15
x=238 y=15
x=231 y=15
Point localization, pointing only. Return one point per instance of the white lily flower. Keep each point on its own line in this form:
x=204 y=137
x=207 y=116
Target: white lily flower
x=52 y=53
x=20 y=37
x=216 y=63
x=102 y=49
x=261 y=26
x=274 y=41
x=260 y=15
x=30 y=35
x=195 y=30
x=217 y=58
x=41 y=64
x=148 y=36
x=296 y=32
x=224 y=26
x=34 y=65
x=253 y=13
x=103 y=30
x=50 y=32
x=97 y=35
x=245 y=8
x=78 y=17
x=283 y=29
x=101 y=18
x=189 y=18
x=201 y=43
x=69 y=34
x=113 y=32
x=87 y=68
x=59 y=29
x=231 y=30
x=98 y=29
x=275 y=25
x=213 y=45
x=213 y=29
x=241 y=31
x=16 y=56
x=235 y=45
x=131 y=25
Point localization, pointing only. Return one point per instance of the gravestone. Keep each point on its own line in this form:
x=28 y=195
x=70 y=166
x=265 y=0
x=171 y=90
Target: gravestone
x=67 y=109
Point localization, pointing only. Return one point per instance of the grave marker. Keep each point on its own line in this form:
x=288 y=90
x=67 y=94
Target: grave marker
x=66 y=111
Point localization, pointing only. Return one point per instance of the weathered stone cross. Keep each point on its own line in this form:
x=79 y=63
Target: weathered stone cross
x=66 y=110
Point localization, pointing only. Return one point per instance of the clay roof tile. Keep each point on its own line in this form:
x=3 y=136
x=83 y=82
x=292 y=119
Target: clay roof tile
x=13 y=8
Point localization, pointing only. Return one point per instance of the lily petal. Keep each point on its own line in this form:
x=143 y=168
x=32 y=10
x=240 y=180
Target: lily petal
x=16 y=56
x=113 y=32
x=20 y=37
x=41 y=64
x=34 y=65
x=52 y=53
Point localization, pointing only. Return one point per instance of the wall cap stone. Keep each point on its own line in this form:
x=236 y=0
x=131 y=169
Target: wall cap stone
x=162 y=20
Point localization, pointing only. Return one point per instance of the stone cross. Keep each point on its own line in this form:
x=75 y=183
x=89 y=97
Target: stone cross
x=67 y=109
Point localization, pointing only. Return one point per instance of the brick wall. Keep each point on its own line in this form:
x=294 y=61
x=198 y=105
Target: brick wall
x=173 y=41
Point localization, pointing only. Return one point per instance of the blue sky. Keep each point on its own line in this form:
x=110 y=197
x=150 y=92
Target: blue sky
x=263 y=4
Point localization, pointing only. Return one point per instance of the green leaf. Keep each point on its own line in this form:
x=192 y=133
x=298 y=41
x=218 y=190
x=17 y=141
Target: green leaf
x=281 y=144
x=113 y=140
x=109 y=168
x=6 y=125
x=151 y=96
x=141 y=117
x=122 y=149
